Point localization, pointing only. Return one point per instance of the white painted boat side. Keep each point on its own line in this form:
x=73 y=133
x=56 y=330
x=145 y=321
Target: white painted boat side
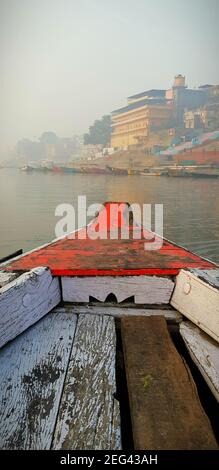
x=25 y=300
x=145 y=289
x=196 y=295
x=204 y=352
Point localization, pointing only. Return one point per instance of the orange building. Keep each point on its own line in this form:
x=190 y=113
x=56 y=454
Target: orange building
x=145 y=111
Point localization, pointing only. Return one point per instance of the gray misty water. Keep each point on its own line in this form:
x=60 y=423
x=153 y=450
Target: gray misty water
x=28 y=202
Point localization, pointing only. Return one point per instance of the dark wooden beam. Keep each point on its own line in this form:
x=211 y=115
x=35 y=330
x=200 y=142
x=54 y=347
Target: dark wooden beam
x=165 y=409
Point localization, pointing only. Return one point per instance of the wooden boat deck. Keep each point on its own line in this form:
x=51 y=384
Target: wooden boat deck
x=75 y=256
x=57 y=385
x=60 y=392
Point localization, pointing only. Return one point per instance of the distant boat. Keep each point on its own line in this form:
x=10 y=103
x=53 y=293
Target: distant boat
x=57 y=169
x=39 y=168
x=34 y=167
x=70 y=169
x=117 y=171
x=176 y=172
x=203 y=175
x=26 y=168
x=151 y=173
x=92 y=169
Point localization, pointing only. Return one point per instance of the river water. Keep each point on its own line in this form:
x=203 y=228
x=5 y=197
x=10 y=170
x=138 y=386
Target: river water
x=28 y=202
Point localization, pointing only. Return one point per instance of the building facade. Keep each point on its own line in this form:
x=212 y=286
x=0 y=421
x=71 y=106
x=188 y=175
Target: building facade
x=155 y=110
x=144 y=112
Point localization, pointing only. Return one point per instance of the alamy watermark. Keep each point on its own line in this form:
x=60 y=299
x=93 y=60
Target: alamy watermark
x=111 y=221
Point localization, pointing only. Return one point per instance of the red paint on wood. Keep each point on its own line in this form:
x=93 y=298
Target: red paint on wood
x=72 y=256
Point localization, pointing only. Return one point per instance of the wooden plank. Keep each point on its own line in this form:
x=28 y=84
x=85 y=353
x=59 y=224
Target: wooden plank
x=205 y=353
x=6 y=277
x=32 y=373
x=145 y=289
x=196 y=296
x=165 y=409
x=115 y=443
x=171 y=315
x=25 y=300
x=88 y=416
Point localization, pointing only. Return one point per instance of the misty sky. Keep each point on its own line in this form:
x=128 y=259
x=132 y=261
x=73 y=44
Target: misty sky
x=65 y=63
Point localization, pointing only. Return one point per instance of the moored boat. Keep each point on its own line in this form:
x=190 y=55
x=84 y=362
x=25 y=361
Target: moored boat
x=94 y=170
x=30 y=167
x=150 y=173
x=57 y=169
x=70 y=169
x=90 y=301
x=26 y=168
x=176 y=172
x=196 y=174
x=117 y=171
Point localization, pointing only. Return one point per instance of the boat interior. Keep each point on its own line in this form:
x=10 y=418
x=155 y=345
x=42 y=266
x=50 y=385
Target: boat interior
x=113 y=349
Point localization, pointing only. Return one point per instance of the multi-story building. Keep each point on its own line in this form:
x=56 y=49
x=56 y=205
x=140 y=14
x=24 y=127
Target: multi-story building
x=144 y=112
x=212 y=92
x=210 y=116
x=205 y=118
x=155 y=110
x=185 y=99
x=193 y=120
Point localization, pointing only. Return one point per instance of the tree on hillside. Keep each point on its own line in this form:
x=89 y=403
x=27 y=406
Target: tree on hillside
x=99 y=132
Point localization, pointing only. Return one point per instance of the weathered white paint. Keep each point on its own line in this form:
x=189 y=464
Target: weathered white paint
x=116 y=427
x=145 y=289
x=211 y=276
x=25 y=300
x=88 y=417
x=6 y=277
x=204 y=352
x=32 y=373
x=170 y=315
x=198 y=299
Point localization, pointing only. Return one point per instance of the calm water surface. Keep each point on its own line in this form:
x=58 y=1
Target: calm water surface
x=28 y=202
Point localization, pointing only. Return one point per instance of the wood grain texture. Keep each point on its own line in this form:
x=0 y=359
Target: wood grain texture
x=145 y=289
x=25 y=300
x=197 y=297
x=116 y=427
x=32 y=373
x=6 y=277
x=165 y=409
x=88 y=416
x=205 y=353
x=171 y=315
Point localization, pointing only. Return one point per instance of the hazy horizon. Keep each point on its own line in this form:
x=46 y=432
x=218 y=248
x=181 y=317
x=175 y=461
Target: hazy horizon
x=66 y=63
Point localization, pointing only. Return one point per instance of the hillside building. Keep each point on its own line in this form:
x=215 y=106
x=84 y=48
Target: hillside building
x=155 y=110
